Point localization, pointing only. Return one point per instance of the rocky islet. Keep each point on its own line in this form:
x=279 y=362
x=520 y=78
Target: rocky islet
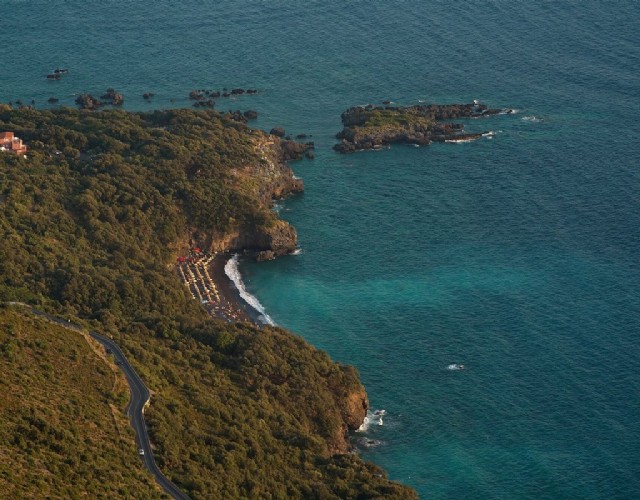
x=373 y=127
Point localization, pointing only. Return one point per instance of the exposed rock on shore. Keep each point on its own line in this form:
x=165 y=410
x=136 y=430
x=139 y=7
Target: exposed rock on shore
x=113 y=97
x=265 y=243
x=370 y=127
x=277 y=131
x=87 y=101
x=355 y=410
x=292 y=150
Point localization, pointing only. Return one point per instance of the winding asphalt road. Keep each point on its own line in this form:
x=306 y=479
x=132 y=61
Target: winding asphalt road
x=139 y=399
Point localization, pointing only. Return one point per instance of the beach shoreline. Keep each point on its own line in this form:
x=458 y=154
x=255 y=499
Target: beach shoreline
x=229 y=293
x=205 y=276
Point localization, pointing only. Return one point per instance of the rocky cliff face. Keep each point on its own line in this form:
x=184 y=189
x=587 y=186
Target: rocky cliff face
x=353 y=410
x=266 y=242
x=356 y=404
x=352 y=404
x=266 y=179
x=272 y=177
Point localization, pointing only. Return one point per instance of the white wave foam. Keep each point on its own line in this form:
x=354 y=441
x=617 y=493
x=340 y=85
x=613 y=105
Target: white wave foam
x=297 y=251
x=531 y=118
x=459 y=141
x=372 y=418
x=455 y=367
x=232 y=271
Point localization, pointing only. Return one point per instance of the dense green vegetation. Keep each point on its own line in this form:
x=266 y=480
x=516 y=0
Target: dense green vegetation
x=382 y=118
x=63 y=432
x=90 y=224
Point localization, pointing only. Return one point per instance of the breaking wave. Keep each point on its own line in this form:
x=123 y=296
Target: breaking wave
x=232 y=271
x=372 y=418
x=461 y=141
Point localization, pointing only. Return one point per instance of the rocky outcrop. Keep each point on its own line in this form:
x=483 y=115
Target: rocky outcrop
x=237 y=116
x=112 y=97
x=277 y=131
x=356 y=404
x=265 y=243
x=265 y=255
x=204 y=103
x=87 y=101
x=370 y=127
x=292 y=150
x=352 y=404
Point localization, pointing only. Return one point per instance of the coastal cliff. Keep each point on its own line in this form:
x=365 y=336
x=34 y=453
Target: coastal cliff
x=263 y=180
x=265 y=242
x=91 y=224
x=371 y=127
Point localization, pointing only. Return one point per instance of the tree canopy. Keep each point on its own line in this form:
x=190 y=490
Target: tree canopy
x=90 y=224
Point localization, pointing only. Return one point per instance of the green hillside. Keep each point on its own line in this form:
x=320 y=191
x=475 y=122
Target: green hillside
x=63 y=431
x=90 y=225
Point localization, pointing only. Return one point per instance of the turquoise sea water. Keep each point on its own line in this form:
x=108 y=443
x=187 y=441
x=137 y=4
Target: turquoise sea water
x=516 y=256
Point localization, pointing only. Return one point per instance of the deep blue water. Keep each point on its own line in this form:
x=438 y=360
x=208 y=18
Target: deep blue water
x=516 y=256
